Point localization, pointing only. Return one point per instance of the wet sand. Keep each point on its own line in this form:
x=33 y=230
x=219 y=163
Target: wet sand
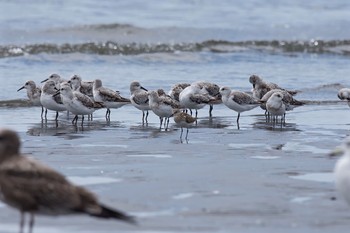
x=256 y=179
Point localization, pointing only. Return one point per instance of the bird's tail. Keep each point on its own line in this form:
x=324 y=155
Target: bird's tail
x=110 y=213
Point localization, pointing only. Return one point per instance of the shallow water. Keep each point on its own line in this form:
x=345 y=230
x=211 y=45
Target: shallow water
x=261 y=178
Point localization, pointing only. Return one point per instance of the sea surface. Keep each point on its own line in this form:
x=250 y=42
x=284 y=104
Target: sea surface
x=260 y=178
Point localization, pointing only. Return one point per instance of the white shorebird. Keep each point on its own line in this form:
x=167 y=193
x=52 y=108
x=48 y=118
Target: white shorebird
x=238 y=101
x=76 y=102
x=162 y=107
x=261 y=87
x=342 y=170
x=213 y=91
x=54 y=77
x=184 y=120
x=139 y=99
x=194 y=97
x=34 y=188
x=49 y=100
x=276 y=107
x=344 y=94
x=109 y=98
x=33 y=93
x=78 y=84
x=287 y=99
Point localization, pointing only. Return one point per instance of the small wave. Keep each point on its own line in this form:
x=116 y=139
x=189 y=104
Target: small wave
x=15 y=103
x=339 y=47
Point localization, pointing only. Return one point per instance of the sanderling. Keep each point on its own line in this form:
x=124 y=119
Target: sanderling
x=139 y=99
x=76 y=102
x=194 y=97
x=56 y=78
x=34 y=188
x=276 y=107
x=342 y=170
x=344 y=94
x=238 y=101
x=109 y=98
x=78 y=85
x=162 y=107
x=176 y=90
x=184 y=120
x=213 y=91
x=49 y=100
x=33 y=93
x=288 y=99
x=261 y=87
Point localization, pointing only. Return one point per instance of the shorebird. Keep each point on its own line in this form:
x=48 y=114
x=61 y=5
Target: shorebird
x=54 y=77
x=139 y=99
x=261 y=87
x=344 y=94
x=78 y=85
x=76 y=102
x=276 y=107
x=33 y=93
x=238 y=101
x=49 y=100
x=184 y=120
x=287 y=99
x=213 y=91
x=194 y=97
x=162 y=106
x=34 y=188
x=109 y=98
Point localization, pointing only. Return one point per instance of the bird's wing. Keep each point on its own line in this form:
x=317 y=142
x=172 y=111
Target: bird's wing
x=112 y=96
x=84 y=99
x=243 y=98
x=29 y=185
x=141 y=98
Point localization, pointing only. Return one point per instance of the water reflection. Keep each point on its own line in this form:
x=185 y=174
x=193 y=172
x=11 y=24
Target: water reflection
x=66 y=129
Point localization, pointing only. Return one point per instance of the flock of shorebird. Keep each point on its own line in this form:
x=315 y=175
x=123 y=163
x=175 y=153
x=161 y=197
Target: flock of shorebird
x=34 y=188
x=84 y=97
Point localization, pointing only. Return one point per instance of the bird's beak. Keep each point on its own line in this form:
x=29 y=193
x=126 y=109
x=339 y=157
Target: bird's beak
x=21 y=88
x=338 y=151
x=144 y=88
x=57 y=93
x=44 y=80
x=254 y=85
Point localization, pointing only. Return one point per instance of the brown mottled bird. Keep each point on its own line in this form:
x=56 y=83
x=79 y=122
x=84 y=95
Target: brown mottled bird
x=183 y=120
x=34 y=188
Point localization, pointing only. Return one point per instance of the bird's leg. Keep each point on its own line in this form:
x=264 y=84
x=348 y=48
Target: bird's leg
x=46 y=114
x=210 y=110
x=161 y=122
x=147 y=117
x=56 y=116
x=181 y=134
x=238 y=116
x=167 y=123
x=186 y=135
x=143 y=117
x=82 y=120
x=31 y=222
x=42 y=112
x=21 y=223
x=75 y=119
